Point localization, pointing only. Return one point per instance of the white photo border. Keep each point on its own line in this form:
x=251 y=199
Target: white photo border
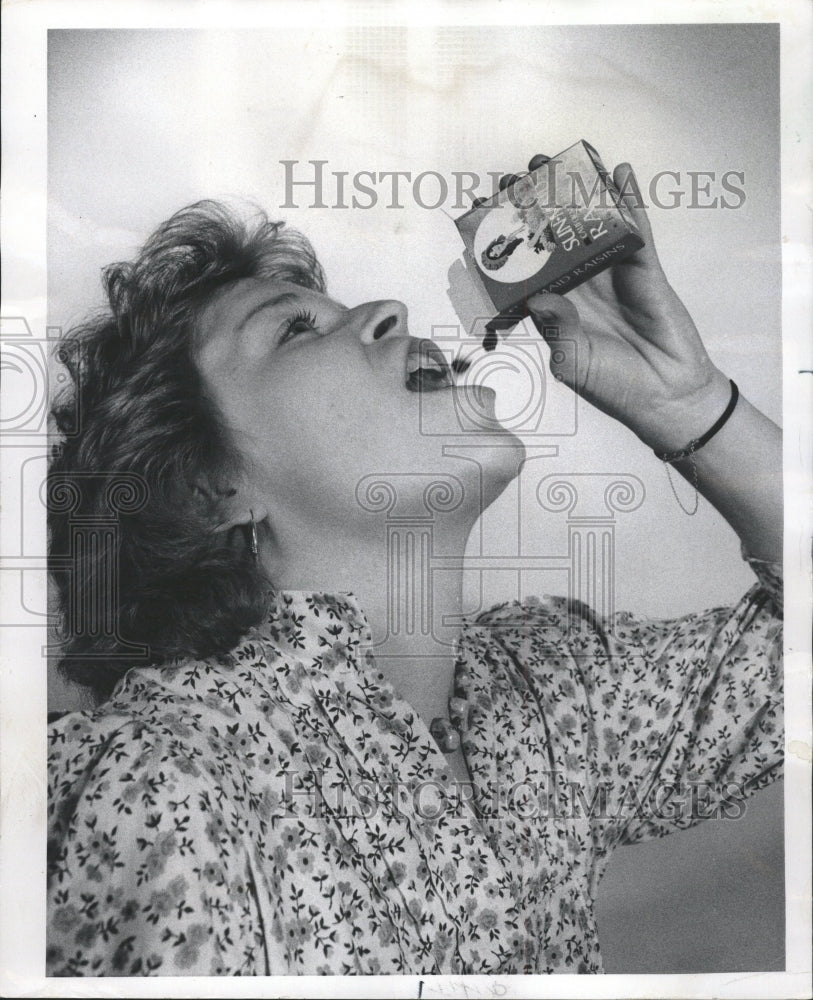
x=23 y=690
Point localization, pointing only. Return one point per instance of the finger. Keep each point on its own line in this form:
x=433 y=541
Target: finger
x=538 y=161
x=507 y=179
x=630 y=191
x=559 y=322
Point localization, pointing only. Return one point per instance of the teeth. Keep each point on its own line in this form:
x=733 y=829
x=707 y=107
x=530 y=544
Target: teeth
x=414 y=363
x=427 y=368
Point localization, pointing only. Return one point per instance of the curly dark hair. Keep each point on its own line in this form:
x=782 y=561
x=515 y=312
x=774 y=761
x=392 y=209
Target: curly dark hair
x=136 y=412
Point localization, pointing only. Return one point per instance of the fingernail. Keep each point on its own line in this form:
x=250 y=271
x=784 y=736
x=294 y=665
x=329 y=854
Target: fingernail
x=542 y=313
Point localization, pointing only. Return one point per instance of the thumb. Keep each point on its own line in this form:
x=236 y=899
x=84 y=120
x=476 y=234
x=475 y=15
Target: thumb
x=557 y=319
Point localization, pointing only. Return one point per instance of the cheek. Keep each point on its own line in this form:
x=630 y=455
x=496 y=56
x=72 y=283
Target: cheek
x=328 y=402
x=305 y=432
x=325 y=422
x=333 y=447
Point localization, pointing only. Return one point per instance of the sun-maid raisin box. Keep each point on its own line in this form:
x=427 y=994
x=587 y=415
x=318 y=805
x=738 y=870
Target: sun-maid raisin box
x=547 y=232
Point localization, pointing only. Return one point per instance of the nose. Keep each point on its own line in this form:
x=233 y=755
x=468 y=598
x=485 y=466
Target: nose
x=385 y=318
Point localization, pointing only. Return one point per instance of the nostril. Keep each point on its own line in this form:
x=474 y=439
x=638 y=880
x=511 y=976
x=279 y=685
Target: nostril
x=384 y=326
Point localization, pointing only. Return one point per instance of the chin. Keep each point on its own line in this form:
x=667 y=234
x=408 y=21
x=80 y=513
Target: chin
x=501 y=465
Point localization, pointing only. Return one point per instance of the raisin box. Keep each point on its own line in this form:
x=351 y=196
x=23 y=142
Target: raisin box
x=549 y=231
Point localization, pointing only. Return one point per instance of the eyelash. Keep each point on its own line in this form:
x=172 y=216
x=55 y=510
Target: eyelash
x=303 y=316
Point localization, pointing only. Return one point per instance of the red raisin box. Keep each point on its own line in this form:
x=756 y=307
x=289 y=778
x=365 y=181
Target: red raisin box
x=547 y=232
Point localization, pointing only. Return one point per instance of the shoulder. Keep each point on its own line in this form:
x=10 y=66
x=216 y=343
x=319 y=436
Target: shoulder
x=145 y=851
x=547 y=617
x=546 y=609
x=126 y=754
x=545 y=633
x=136 y=793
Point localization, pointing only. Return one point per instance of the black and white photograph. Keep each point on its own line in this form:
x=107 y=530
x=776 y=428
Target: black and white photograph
x=406 y=462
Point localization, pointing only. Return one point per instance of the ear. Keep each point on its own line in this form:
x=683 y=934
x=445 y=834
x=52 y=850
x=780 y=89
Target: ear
x=241 y=517
x=231 y=508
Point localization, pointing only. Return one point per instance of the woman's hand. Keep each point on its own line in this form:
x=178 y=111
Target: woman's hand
x=624 y=341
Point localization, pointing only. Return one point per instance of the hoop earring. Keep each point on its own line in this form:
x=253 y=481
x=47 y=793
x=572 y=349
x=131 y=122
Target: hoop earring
x=255 y=548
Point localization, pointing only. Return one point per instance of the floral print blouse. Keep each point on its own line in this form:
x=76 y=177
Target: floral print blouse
x=282 y=810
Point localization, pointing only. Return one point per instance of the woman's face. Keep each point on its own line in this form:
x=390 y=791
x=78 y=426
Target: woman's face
x=317 y=396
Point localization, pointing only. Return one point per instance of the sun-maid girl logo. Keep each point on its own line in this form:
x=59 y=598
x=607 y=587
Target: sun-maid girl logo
x=513 y=244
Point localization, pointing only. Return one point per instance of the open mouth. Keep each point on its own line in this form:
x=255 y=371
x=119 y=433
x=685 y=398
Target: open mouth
x=427 y=368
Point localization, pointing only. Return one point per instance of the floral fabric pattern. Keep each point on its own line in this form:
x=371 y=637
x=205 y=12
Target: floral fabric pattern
x=282 y=810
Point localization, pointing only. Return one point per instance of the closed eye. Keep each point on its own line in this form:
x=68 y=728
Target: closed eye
x=301 y=322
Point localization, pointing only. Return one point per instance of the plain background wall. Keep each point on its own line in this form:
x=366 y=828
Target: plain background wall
x=143 y=122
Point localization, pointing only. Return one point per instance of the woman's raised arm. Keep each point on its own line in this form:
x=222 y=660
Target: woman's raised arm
x=626 y=343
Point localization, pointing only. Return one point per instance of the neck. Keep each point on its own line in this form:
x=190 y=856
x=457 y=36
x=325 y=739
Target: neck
x=413 y=611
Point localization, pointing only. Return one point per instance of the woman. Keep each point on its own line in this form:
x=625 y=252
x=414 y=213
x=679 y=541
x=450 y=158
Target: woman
x=499 y=250
x=287 y=785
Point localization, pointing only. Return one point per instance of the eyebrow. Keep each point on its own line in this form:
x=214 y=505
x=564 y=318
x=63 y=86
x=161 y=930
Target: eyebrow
x=275 y=300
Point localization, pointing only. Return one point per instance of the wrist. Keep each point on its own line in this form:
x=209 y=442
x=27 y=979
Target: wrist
x=689 y=418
